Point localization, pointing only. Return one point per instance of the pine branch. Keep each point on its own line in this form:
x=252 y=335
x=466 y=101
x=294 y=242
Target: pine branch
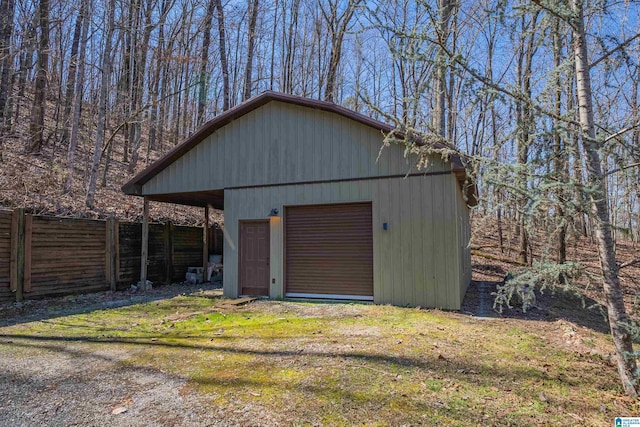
x=557 y=14
x=632 y=165
x=614 y=50
x=621 y=132
x=457 y=59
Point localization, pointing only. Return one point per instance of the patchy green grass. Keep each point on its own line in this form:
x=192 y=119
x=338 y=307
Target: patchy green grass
x=342 y=364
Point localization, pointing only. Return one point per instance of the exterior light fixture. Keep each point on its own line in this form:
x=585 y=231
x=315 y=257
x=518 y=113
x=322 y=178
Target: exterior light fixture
x=274 y=212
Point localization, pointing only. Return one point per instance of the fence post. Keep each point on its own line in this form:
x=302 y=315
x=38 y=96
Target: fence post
x=107 y=250
x=144 y=258
x=205 y=244
x=117 y=253
x=168 y=251
x=28 y=228
x=214 y=236
x=112 y=252
x=17 y=252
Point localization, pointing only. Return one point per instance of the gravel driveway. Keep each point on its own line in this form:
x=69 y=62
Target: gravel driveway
x=65 y=383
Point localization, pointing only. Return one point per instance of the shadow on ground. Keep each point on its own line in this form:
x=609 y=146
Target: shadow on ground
x=551 y=305
x=50 y=308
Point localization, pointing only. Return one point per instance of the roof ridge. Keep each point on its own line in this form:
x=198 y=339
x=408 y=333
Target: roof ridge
x=134 y=185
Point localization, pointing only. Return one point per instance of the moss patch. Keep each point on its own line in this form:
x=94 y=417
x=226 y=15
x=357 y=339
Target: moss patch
x=341 y=364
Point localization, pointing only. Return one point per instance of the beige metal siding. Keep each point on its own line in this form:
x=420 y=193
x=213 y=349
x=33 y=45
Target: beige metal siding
x=416 y=261
x=464 y=236
x=283 y=143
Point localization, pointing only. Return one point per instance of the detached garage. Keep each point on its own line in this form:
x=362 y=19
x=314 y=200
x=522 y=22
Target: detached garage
x=314 y=208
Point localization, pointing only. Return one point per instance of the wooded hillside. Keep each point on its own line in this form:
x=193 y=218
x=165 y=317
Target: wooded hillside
x=91 y=92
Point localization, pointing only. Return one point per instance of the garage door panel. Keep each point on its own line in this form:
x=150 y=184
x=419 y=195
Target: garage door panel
x=329 y=250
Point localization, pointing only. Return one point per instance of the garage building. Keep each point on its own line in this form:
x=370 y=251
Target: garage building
x=314 y=207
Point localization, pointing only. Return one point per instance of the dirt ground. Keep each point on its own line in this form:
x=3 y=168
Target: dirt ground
x=495 y=264
x=182 y=355
x=68 y=383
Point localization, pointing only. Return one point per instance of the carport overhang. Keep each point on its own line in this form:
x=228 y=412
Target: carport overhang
x=202 y=199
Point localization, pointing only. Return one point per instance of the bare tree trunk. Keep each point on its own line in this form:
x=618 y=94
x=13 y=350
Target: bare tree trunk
x=525 y=123
x=236 y=79
x=204 y=60
x=287 y=69
x=572 y=144
x=439 y=115
x=102 y=104
x=558 y=152
x=127 y=86
x=27 y=48
x=454 y=84
x=164 y=104
x=77 y=101
x=253 y=17
x=155 y=86
x=338 y=27
x=36 y=127
x=635 y=142
x=107 y=161
x=7 y=11
x=73 y=67
x=618 y=318
x=222 y=47
x=273 y=44
x=139 y=68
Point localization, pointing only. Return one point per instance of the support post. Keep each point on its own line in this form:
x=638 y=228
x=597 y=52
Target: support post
x=215 y=239
x=145 y=245
x=168 y=252
x=111 y=250
x=116 y=242
x=205 y=244
x=17 y=253
x=28 y=228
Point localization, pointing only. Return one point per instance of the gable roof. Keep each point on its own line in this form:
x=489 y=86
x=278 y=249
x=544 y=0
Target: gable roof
x=134 y=186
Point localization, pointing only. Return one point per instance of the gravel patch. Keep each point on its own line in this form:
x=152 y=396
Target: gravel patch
x=310 y=308
x=61 y=383
x=76 y=385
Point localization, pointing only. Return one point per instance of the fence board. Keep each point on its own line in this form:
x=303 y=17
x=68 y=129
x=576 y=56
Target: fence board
x=75 y=264
x=70 y=256
x=5 y=256
x=129 y=241
x=187 y=250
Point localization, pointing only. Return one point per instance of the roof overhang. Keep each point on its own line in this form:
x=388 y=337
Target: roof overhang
x=214 y=198
x=134 y=186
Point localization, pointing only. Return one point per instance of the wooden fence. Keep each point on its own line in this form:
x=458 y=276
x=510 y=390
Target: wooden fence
x=45 y=256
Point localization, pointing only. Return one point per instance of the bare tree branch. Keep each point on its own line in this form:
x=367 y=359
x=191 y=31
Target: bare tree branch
x=614 y=50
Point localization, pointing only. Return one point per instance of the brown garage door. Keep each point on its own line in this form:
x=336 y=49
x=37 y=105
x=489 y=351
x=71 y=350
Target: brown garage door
x=329 y=251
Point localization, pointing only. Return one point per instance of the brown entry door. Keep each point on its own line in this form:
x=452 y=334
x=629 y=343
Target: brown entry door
x=254 y=258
